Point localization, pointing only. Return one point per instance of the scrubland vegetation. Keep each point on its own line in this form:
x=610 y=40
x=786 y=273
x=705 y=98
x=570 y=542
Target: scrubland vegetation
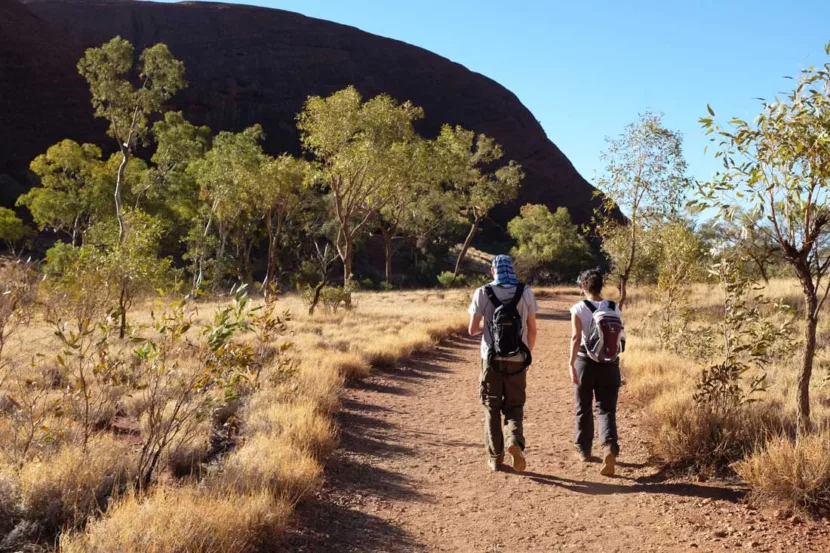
x=710 y=409
x=201 y=431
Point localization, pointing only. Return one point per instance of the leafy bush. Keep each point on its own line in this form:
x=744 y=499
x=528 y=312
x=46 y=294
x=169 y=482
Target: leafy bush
x=550 y=248
x=59 y=258
x=13 y=230
x=332 y=297
x=751 y=343
x=448 y=280
x=480 y=280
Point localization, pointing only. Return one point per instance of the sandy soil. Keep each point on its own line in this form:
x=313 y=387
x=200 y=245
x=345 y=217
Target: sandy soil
x=410 y=474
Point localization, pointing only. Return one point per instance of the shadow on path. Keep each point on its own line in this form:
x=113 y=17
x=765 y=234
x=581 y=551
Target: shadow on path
x=554 y=315
x=336 y=520
x=681 y=489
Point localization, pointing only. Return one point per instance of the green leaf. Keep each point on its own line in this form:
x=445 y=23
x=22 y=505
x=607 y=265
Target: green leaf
x=710 y=110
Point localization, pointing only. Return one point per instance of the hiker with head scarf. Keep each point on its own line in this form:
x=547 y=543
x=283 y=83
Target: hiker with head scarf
x=504 y=314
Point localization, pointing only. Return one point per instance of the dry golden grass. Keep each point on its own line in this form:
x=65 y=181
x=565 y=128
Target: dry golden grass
x=264 y=464
x=74 y=484
x=797 y=472
x=244 y=496
x=757 y=437
x=185 y=520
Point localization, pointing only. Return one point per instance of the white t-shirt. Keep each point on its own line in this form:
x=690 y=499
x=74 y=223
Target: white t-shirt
x=483 y=307
x=586 y=316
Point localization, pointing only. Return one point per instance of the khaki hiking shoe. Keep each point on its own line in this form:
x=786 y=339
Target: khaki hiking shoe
x=519 y=461
x=495 y=463
x=608 y=464
x=582 y=455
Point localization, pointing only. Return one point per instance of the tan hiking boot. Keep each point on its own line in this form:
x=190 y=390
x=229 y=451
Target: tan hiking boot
x=495 y=463
x=519 y=461
x=608 y=464
x=582 y=455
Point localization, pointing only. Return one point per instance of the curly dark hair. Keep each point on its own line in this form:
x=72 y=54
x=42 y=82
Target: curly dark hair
x=592 y=281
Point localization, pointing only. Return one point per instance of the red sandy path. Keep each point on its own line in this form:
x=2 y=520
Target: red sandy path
x=410 y=474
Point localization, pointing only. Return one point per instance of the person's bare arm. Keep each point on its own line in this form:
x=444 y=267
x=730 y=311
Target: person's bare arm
x=475 y=327
x=531 y=331
x=576 y=339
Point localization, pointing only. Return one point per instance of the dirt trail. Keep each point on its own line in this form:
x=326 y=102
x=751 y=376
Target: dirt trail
x=410 y=474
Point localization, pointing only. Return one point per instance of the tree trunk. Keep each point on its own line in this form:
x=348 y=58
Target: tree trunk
x=199 y=275
x=347 y=260
x=272 y=270
x=807 y=355
x=465 y=247
x=387 y=247
x=763 y=271
x=119 y=184
x=626 y=274
x=623 y=289
x=269 y=269
x=316 y=298
x=122 y=310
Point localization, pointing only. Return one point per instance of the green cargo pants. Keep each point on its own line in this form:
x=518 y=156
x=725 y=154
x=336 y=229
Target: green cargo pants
x=502 y=394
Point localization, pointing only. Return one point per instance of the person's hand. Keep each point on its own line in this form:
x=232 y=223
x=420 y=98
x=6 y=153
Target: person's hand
x=574 y=375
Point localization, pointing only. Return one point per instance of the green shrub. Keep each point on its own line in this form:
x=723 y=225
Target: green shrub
x=332 y=297
x=448 y=280
x=59 y=258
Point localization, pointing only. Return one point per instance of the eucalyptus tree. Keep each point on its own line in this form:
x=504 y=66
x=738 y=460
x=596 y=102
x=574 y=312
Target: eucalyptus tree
x=66 y=201
x=13 y=230
x=410 y=176
x=779 y=165
x=280 y=190
x=167 y=186
x=227 y=176
x=351 y=139
x=645 y=177
x=465 y=160
x=548 y=245
x=128 y=95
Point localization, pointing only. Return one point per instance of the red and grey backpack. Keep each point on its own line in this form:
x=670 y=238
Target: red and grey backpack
x=605 y=336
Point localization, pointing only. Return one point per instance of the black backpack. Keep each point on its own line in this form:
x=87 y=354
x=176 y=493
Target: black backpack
x=506 y=327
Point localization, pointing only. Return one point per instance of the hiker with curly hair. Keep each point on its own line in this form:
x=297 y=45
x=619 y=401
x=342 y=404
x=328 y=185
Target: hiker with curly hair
x=597 y=339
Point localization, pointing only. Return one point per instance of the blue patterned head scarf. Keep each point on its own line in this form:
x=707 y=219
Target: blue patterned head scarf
x=505 y=275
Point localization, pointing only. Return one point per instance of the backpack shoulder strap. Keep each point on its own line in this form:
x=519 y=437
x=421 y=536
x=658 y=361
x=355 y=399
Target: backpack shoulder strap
x=590 y=305
x=612 y=306
x=517 y=297
x=492 y=295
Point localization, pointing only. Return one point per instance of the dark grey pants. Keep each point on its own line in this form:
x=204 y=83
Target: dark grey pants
x=502 y=394
x=600 y=381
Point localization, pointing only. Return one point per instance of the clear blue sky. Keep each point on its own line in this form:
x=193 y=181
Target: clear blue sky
x=585 y=68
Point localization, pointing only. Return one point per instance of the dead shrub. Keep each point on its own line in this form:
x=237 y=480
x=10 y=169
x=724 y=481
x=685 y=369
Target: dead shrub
x=688 y=434
x=796 y=473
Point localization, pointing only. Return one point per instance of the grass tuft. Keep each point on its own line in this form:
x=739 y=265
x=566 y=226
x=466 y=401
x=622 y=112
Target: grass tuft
x=185 y=520
x=796 y=473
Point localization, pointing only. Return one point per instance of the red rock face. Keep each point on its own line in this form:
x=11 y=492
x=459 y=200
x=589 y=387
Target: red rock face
x=42 y=97
x=248 y=64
